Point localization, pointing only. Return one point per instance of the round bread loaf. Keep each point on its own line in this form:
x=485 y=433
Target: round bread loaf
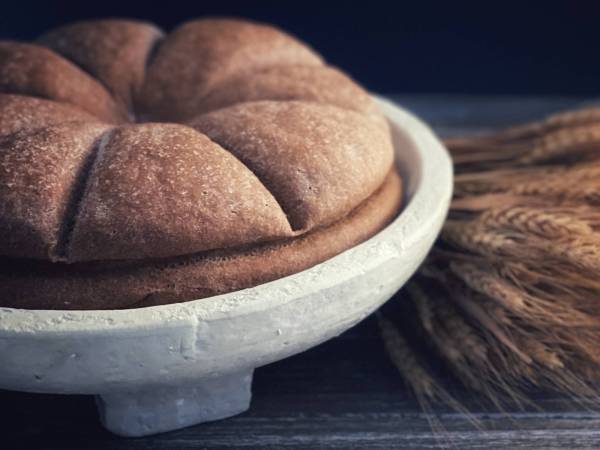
x=138 y=168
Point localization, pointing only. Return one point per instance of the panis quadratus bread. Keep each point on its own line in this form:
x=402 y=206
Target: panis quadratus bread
x=138 y=168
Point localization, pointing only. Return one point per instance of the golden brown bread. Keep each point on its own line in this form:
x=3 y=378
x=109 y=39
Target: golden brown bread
x=114 y=51
x=35 y=71
x=274 y=151
x=39 y=170
x=319 y=161
x=18 y=112
x=129 y=284
x=159 y=190
x=199 y=54
x=321 y=84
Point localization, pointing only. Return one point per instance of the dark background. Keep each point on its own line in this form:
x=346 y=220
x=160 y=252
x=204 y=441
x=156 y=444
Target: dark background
x=531 y=48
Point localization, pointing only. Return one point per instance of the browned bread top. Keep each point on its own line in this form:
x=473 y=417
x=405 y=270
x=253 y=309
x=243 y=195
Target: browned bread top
x=199 y=54
x=19 y=112
x=39 y=169
x=34 y=71
x=159 y=190
x=104 y=48
x=319 y=161
x=148 y=282
x=271 y=143
x=320 y=84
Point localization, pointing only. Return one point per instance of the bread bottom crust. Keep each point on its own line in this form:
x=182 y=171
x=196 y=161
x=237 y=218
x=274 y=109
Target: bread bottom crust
x=32 y=284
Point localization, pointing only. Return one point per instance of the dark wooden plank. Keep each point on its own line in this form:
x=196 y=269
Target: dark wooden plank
x=343 y=394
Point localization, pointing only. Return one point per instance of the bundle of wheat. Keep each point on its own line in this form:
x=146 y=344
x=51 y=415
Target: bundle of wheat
x=509 y=298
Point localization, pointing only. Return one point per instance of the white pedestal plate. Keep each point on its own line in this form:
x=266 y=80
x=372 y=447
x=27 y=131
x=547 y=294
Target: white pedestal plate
x=166 y=367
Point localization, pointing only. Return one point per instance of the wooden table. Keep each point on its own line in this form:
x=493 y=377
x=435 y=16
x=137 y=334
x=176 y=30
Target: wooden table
x=343 y=394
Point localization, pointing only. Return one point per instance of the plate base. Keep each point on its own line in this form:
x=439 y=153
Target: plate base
x=151 y=411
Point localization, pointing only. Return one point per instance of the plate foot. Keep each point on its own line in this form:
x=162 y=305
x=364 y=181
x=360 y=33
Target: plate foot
x=144 y=412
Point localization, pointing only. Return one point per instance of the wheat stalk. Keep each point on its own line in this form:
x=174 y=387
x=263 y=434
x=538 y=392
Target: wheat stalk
x=585 y=192
x=564 y=143
x=407 y=361
x=542 y=354
x=510 y=295
x=473 y=238
x=488 y=284
x=544 y=222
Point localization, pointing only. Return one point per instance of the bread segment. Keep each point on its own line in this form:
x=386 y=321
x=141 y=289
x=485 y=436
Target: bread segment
x=132 y=284
x=199 y=54
x=113 y=51
x=19 y=112
x=28 y=69
x=160 y=190
x=321 y=84
x=278 y=162
x=319 y=161
x=39 y=174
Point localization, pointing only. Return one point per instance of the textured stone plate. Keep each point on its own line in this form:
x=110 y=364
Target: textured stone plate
x=166 y=367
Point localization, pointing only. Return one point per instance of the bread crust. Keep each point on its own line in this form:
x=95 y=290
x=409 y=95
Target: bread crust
x=19 y=112
x=139 y=168
x=158 y=190
x=32 y=70
x=201 y=53
x=320 y=84
x=129 y=284
x=104 y=48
